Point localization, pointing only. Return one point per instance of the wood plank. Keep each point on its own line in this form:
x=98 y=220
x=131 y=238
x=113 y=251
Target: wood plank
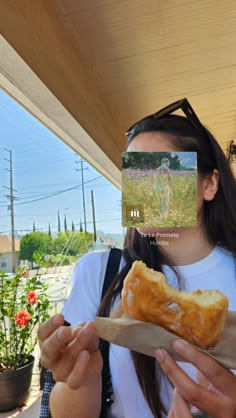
x=36 y=31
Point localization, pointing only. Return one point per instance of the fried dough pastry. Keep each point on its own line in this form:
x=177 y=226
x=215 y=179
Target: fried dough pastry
x=199 y=316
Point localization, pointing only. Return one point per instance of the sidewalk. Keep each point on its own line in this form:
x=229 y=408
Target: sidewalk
x=31 y=411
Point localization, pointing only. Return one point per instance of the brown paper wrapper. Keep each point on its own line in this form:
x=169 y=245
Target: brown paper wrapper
x=145 y=337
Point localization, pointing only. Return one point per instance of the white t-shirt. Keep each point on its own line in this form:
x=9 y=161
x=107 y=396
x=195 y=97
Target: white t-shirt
x=216 y=271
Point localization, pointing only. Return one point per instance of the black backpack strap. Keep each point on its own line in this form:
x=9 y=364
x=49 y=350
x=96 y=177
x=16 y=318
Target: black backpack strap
x=111 y=271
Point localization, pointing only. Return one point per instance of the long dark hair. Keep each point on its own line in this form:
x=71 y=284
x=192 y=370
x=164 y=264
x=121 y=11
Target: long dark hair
x=219 y=221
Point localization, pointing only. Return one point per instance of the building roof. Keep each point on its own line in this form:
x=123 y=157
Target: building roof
x=125 y=71
x=106 y=240
x=5 y=244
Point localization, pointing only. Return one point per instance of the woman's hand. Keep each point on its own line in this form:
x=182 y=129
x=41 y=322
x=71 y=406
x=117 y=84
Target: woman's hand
x=71 y=353
x=215 y=395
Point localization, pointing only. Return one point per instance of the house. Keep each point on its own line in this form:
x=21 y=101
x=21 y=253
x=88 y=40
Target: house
x=104 y=243
x=6 y=255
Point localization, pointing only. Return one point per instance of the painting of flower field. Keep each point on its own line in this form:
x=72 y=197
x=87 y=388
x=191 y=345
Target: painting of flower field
x=159 y=189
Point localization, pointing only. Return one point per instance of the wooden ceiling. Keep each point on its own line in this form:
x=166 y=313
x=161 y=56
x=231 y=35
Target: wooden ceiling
x=112 y=62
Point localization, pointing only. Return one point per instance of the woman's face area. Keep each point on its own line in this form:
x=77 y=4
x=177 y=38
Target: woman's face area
x=159 y=142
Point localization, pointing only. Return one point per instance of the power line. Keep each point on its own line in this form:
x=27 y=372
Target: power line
x=33 y=124
x=55 y=194
x=52 y=213
x=52 y=160
x=44 y=191
x=55 y=227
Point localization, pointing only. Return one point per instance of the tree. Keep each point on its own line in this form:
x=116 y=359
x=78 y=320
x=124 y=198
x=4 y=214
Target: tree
x=79 y=243
x=59 y=244
x=73 y=227
x=34 y=229
x=149 y=160
x=58 y=222
x=65 y=224
x=49 y=230
x=72 y=243
x=34 y=242
x=176 y=163
x=80 y=226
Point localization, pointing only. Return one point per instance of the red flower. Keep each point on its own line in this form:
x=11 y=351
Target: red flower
x=32 y=297
x=22 y=318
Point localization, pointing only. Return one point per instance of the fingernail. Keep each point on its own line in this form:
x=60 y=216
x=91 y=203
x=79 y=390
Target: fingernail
x=88 y=329
x=195 y=409
x=160 y=355
x=180 y=346
x=83 y=357
x=62 y=335
x=75 y=331
x=57 y=319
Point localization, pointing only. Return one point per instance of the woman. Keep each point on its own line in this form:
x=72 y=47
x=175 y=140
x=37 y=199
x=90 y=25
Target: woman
x=162 y=188
x=198 y=258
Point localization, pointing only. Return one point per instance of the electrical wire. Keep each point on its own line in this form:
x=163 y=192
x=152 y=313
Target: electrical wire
x=69 y=245
x=54 y=194
x=55 y=227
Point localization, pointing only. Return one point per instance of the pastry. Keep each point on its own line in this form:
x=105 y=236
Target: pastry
x=199 y=316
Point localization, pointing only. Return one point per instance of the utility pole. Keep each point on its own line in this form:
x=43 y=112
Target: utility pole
x=58 y=222
x=94 y=222
x=12 y=198
x=82 y=181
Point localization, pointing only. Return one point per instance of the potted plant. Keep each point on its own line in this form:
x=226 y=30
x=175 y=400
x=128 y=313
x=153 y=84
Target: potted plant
x=24 y=304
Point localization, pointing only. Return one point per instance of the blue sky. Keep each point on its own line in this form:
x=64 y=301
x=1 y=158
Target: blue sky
x=43 y=165
x=188 y=159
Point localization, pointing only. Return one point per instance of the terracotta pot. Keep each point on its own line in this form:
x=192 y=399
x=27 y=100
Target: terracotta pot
x=15 y=386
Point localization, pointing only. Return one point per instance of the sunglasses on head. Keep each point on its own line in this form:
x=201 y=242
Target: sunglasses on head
x=182 y=104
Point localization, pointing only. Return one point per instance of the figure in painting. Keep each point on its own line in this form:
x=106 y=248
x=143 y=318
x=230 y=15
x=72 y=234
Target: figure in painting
x=163 y=188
